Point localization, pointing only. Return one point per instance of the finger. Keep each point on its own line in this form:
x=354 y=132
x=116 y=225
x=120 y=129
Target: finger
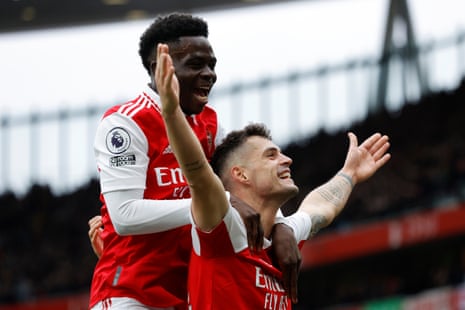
x=379 y=145
x=286 y=280
x=162 y=64
x=95 y=234
x=292 y=291
x=158 y=65
x=250 y=236
x=169 y=72
x=162 y=74
x=249 y=223
x=255 y=237
x=353 y=141
x=383 y=160
x=94 y=219
x=95 y=225
x=381 y=150
x=260 y=235
x=369 y=142
x=290 y=276
x=161 y=49
x=92 y=235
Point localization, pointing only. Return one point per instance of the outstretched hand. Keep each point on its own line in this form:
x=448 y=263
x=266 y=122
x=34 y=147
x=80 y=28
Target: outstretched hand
x=364 y=160
x=166 y=81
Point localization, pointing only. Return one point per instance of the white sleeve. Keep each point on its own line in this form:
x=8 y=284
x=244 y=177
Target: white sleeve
x=301 y=224
x=279 y=216
x=220 y=135
x=120 y=149
x=132 y=215
x=121 y=153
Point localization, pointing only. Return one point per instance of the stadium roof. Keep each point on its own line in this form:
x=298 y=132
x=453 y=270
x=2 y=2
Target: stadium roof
x=19 y=15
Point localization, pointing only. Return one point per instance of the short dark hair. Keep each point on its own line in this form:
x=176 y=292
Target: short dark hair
x=233 y=141
x=169 y=28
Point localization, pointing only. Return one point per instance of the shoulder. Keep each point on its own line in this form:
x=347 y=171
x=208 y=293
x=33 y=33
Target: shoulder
x=142 y=106
x=142 y=110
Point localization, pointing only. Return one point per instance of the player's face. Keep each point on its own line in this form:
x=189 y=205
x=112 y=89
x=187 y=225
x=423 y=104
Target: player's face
x=269 y=170
x=194 y=63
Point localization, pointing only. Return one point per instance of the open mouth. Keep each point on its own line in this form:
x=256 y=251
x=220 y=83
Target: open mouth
x=202 y=94
x=285 y=175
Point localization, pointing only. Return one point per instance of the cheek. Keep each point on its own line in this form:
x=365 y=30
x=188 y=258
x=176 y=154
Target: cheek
x=185 y=84
x=184 y=88
x=264 y=181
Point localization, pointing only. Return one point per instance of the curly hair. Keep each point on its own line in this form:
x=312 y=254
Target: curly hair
x=233 y=141
x=169 y=28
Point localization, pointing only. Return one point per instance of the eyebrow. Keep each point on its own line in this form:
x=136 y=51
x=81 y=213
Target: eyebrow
x=272 y=149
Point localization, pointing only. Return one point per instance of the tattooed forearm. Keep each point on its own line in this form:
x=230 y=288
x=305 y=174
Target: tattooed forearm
x=336 y=191
x=318 y=222
x=195 y=165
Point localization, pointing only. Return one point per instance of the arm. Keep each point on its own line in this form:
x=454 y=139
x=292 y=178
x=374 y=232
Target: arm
x=209 y=200
x=325 y=202
x=123 y=185
x=132 y=215
x=286 y=255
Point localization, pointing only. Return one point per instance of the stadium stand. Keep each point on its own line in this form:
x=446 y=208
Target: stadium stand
x=45 y=252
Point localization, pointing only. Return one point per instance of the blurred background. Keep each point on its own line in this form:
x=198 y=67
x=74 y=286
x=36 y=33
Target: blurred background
x=311 y=70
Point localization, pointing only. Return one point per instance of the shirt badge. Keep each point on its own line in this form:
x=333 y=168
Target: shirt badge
x=118 y=140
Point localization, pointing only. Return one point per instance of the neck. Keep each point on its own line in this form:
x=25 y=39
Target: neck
x=267 y=208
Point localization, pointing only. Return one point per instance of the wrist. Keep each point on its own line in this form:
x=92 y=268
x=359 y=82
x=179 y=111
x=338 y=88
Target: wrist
x=171 y=113
x=348 y=177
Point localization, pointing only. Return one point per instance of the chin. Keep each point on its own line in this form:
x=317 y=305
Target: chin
x=290 y=192
x=295 y=190
x=197 y=109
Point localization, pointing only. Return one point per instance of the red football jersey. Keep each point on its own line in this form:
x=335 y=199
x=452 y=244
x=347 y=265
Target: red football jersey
x=223 y=274
x=133 y=151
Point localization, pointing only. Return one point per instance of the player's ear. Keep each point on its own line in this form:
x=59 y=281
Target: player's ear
x=239 y=174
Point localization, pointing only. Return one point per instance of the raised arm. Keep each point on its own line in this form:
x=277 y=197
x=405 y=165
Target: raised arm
x=209 y=200
x=325 y=202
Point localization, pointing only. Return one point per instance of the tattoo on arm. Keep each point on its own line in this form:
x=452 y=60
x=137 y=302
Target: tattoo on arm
x=195 y=165
x=318 y=222
x=335 y=192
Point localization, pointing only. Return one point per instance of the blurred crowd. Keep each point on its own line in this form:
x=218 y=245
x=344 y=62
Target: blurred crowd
x=427 y=168
x=44 y=249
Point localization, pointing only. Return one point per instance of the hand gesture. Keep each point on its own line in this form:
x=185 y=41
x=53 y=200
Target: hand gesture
x=364 y=160
x=166 y=81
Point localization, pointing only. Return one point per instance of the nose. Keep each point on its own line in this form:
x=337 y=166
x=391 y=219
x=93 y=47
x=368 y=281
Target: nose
x=286 y=160
x=209 y=74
